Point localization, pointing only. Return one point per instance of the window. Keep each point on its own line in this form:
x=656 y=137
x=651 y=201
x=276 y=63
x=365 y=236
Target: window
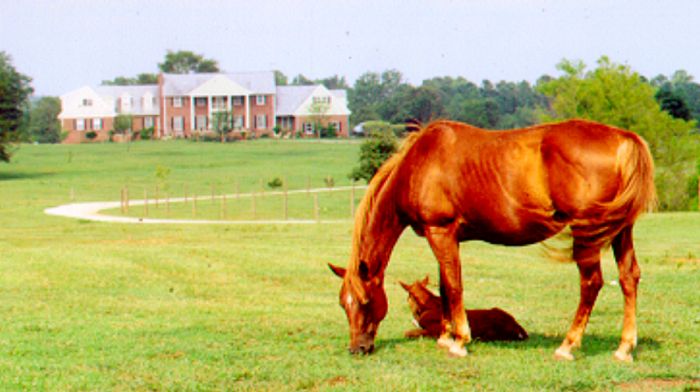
x=261 y=121
x=238 y=122
x=79 y=124
x=97 y=124
x=260 y=100
x=87 y=102
x=218 y=103
x=148 y=122
x=237 y=101
x=335 y=125
x=177 y=102
x=200 y=102
x=308 y=128
x=323 y=100
x=178 y=123
x=201 y=122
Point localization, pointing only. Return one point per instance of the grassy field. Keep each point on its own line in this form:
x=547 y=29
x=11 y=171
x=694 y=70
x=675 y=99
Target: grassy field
x=97 y=306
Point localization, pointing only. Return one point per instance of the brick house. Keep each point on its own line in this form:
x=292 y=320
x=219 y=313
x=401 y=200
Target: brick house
x=181 y=104
x=91 y=110
x=303 y=108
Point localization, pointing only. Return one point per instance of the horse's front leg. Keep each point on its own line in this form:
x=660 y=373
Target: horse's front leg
x=445 y=246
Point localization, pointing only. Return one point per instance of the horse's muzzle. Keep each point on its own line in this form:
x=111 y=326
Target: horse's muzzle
x=362 y=349
x=363 y=345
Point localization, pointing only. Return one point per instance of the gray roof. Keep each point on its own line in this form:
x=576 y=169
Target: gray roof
x=289 y=98
x=181 y=84
x=136 y=92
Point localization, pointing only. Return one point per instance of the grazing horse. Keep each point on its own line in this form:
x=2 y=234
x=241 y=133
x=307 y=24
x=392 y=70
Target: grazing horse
x=451 y=182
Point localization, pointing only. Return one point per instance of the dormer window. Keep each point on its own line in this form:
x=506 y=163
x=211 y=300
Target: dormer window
x=87 y=102
x=322 y=100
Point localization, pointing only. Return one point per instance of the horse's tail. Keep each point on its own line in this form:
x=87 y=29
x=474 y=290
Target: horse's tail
x=636 y=195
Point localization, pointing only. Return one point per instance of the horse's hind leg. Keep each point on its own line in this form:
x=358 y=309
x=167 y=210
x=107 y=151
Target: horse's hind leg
x=588 y=261
x=445 y=246
x=629 y=278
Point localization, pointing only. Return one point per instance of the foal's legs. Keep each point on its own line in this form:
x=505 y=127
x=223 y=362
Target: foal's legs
x=588 y=261
x=629 y=278
x=445 y=246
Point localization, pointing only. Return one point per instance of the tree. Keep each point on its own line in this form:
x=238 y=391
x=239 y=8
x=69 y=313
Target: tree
x=44 y=126
x=185 y=61
x=222 y=122
x=319 y=111
x=280 y=78
x=615 y=95
x=334 y=82
x=301 y=80
x=376 y=149
x=140 y=79
x=15 y=90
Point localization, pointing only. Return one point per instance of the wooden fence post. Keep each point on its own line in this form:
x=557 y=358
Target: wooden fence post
x=194 y=205
x=126 y=199
x=352 y=200
x=286 y=201
x=223 y=206
x=145 y=202
x=317 y=215
x=254 y=207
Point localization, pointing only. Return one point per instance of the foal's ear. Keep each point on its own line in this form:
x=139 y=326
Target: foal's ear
x=405 y=286
x=340 y=271
x=425 y=281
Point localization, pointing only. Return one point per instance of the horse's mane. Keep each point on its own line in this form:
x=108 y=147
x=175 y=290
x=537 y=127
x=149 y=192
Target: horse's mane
x=364 y=211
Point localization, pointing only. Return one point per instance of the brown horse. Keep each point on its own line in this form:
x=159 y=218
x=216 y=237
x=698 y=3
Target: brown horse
x=486 y=325
x=452 y=182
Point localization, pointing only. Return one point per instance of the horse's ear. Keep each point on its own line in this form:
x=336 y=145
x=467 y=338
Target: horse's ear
x=340 y=271
x=405 y=286
x=425 y=281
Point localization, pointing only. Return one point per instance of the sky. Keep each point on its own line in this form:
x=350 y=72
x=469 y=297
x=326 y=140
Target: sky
x=66 y=44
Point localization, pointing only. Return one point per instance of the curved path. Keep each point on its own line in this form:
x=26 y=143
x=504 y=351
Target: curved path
x=91 y=211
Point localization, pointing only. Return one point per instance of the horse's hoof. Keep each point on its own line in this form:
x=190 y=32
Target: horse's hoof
x=445 y=342
x=457 y=351
x=623 y=356
x=563 y=355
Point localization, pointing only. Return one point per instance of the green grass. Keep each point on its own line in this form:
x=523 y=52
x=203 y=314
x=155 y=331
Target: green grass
x=97 y=306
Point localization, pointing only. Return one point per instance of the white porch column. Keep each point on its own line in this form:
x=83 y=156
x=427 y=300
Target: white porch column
x=192 y=124
x=209 y=112
x=247 y=112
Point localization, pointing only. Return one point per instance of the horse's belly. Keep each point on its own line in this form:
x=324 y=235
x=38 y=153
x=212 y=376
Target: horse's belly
x=509 y=232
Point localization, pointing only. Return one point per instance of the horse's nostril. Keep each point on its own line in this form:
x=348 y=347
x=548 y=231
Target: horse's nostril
x=366 y=349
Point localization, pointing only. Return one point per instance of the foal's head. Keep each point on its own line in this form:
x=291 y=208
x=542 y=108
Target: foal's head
x=364 y=301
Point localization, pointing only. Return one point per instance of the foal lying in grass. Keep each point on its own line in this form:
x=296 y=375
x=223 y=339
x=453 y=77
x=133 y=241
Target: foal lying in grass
x=485 y=324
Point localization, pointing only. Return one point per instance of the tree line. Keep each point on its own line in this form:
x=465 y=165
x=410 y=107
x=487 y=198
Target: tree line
x=665 y=110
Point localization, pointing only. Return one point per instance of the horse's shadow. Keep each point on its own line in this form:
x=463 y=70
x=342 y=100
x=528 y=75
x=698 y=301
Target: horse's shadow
x=592 y=345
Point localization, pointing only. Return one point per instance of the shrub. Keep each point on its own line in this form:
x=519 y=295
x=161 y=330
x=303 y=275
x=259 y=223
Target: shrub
x=374 y=151
x=91 y=135
x=147 y=133
x=274 y=183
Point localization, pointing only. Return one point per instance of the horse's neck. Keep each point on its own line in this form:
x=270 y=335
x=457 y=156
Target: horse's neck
x=380 y=232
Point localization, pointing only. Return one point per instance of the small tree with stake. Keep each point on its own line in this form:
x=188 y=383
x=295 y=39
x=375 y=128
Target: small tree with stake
x=122 y=126
x=223 y=123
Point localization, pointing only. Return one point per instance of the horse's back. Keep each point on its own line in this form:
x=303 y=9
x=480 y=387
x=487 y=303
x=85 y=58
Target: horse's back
x=512 y=187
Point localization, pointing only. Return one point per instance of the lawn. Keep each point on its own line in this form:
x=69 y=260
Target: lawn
x=99 y=306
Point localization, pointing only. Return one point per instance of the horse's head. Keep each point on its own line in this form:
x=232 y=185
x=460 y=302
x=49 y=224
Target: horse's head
x=364 y=301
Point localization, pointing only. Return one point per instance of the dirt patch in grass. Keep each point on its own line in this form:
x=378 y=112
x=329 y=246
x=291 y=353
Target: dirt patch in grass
x=658 y=384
